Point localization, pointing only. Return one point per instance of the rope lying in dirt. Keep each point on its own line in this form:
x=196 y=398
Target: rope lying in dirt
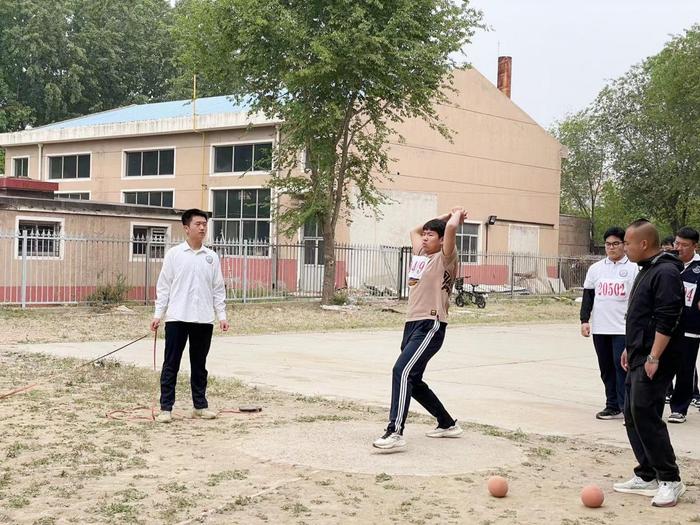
x=50 y=377
x=142 y=413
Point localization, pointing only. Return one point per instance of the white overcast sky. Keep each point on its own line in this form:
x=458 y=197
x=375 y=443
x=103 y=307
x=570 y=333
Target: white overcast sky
x=565 y=51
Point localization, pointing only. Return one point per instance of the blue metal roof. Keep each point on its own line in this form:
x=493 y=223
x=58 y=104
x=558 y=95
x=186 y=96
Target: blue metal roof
x=155 y=111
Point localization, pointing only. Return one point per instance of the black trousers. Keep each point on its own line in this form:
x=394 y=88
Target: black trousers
x=686 y=376
x=609 y=349
x=421 y=341
x=646 y=430
x=176 y=335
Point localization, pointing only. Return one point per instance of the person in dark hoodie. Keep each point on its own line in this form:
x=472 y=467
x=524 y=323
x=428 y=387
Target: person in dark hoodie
x=689 y=330
x=653 y=311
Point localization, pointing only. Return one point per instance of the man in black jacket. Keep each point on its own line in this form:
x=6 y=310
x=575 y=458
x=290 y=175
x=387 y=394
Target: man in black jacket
x=689 y=328
x=655 y=305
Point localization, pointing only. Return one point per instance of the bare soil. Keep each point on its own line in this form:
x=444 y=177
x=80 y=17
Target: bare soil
x=64 y=461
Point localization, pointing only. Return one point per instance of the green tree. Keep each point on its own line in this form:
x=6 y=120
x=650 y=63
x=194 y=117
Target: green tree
x=586 y=167
x=65 y=58
x=340 y=75
x=651 y=117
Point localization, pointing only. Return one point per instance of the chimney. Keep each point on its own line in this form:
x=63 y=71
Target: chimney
x=504 y=71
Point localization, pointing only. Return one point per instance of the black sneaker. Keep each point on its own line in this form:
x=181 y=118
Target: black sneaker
x=668 y=400
x=609 y=413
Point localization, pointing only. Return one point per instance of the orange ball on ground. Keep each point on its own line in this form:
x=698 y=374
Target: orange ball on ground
x=498 y=486
x=592 y=496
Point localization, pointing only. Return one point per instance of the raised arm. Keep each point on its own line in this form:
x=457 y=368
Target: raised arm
x=449 y=244
x=417 y=234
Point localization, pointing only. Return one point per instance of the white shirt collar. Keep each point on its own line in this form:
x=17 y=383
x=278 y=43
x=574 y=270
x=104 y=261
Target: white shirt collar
x=696 y=257
x=621 y=261
x=185 y=246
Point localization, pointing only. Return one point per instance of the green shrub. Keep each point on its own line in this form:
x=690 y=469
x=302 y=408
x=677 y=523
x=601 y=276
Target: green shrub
x=110 y=293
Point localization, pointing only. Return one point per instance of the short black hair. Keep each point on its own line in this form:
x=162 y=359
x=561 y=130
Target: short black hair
x=686 y=232
x=668 y=240
x=614 y=231
x=437 y=226
x=193 y=212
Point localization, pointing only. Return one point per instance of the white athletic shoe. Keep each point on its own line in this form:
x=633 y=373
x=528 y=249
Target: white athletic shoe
x=450 y=432
x=165 y=416
x=676 y=417
x=389 y=440
x=638 y=486
x=668 y=493
x=203 y=413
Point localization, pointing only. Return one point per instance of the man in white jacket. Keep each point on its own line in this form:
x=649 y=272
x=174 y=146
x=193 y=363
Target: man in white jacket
x=190 y=291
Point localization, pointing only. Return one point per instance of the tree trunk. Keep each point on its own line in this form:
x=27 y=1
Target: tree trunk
x=591 y=232
x=328 y=290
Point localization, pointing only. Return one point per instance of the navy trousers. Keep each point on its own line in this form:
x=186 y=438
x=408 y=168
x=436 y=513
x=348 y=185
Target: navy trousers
x=177 y=334
x=421 y=341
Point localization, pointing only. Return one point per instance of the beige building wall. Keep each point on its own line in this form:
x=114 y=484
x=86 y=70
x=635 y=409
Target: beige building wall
x=500 y=162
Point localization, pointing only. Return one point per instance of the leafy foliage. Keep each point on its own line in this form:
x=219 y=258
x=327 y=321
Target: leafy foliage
x=338 y=75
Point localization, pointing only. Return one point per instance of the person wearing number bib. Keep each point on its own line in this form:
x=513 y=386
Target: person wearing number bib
x=689 y=327
x=431 y=276
x=605 y=294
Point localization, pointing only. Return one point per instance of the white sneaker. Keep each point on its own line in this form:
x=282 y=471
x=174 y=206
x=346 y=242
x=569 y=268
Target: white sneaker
x=676 y=417
x=203 y=413
x=450 y=432
x=390 y=440
x=668 y=494
x=637 y=486
x=165 y=416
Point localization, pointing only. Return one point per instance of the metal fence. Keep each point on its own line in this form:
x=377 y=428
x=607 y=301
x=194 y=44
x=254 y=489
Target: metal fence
x=44 y=268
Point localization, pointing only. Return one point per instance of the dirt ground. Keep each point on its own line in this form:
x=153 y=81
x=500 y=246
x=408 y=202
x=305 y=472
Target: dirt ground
x=64 y=461
x=53 y=324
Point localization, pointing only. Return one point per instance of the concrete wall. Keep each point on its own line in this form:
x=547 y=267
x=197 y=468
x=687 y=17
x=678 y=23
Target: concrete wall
x=574 y=235
x=500 y=162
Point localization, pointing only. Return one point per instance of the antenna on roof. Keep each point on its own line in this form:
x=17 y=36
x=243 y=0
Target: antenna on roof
x=194 y=102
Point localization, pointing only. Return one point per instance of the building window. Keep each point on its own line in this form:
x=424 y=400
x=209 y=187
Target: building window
x=21 y=167
x=242 y=216
x=75 y=195
x=69 y=167
x=150 y=163
x=312 y=239
x=149 y=198
x=468 y=242
x=43 y=238
x=243 y=157
x=143 y=237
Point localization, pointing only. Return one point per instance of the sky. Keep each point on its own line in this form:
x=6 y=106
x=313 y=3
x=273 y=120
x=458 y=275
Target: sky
x=565 y=51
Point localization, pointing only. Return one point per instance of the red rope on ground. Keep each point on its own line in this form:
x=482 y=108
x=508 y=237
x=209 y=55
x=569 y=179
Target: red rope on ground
x=30 y=386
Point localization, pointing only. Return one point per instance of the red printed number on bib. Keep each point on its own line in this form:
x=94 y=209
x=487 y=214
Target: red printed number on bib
x=611 y=289
x=418 y=265
x=689 y=292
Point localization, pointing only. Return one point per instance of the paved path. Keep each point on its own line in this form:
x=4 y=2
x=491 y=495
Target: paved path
x=539 y=378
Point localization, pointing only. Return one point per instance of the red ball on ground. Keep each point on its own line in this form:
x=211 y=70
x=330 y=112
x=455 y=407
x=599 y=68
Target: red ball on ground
x=592 y=496
x=498 y=486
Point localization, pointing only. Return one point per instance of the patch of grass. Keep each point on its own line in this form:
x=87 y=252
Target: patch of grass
x=15 y=449
x=173 y=486
x=296 y=509
x=218 y=477
x=237 y=504
x=17 y=502
x=514 y=435
x=540 y=452
x=45 y=520
x=380 y=478
x=328 y=417
x=119 y=511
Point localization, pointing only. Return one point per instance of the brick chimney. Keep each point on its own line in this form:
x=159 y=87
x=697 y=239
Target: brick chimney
x=504 y=72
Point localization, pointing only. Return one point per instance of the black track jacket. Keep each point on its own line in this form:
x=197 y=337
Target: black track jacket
x=655 y=305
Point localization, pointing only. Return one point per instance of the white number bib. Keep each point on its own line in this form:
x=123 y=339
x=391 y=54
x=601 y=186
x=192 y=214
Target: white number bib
x=612 y=289
x=418 y=265
x=689 y=292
